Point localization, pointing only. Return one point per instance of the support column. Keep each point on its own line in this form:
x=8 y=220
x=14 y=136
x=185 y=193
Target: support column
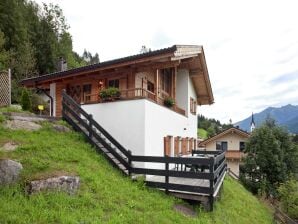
x=53 y=95
x=156 y=86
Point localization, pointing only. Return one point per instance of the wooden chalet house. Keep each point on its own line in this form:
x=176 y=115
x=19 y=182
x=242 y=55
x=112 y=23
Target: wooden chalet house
x=138 y=117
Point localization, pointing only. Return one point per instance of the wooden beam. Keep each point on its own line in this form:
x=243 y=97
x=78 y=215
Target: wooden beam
x=156 y=86
x=174 y=83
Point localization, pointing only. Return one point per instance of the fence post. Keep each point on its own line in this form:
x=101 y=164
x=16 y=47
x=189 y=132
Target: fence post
x=211 y=184
x=90 y=125
x=129 y=163
x=167 y=176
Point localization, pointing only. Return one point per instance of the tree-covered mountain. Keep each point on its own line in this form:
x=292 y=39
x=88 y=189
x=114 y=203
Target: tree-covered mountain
x=208 y=127
x=286 y=116
x=33 y=38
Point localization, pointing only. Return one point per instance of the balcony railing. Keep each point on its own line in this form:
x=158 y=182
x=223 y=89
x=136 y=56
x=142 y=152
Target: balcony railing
x=130 y=94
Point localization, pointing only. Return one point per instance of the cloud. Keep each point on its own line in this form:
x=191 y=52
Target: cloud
x=285 y=78
x=250 y=46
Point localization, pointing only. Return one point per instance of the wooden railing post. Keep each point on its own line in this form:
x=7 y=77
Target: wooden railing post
x=211 y=184
x=90 y=125
x=167 y=176
x=129 y=162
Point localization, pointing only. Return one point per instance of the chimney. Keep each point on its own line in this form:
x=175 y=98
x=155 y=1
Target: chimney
x=62 y=65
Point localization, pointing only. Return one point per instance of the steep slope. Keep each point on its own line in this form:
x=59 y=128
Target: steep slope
x=105 y=196
x=286 y=116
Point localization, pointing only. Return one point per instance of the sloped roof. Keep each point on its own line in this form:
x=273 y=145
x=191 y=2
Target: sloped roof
x=200 y=77
x=99 y=65
x=223 y=133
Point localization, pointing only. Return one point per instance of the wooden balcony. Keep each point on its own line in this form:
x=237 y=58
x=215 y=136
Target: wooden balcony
x=132 y=94
x=234 y=154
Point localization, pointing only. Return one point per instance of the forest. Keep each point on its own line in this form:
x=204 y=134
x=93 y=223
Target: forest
x=33 y=38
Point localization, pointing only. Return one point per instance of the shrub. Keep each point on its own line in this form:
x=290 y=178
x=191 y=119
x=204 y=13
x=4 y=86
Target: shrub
x=169 y=102
x=288 y=193
x=25 y=100
x=38 y=100
x=109 y=92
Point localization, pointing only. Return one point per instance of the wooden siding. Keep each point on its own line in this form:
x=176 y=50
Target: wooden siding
x=184 y=146
x=176 y=146
x=167 y=146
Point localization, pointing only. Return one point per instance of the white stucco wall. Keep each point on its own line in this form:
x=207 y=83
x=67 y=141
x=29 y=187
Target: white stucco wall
x=124 y=120
x=141 y=125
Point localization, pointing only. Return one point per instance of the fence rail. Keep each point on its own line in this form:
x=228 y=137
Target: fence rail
x=213 y=163
x=281 y=217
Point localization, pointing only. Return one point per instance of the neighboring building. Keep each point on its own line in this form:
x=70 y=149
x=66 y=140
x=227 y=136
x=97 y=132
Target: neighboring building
x=138 y=119
x=232 y=141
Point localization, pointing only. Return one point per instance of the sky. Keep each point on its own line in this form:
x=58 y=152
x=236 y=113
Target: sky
x=251 y=47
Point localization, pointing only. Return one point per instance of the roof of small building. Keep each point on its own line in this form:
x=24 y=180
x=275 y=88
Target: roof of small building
x=230 y=130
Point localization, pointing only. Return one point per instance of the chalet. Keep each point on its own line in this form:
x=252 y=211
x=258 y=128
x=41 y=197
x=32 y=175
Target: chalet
x=232 y=141
x=140 y=112
x=138 y=117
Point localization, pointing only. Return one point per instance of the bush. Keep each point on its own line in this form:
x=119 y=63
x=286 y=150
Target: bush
x=38 y=100
x=25 y=100
x=169 y=102
x=288 y=193
x=109 y=92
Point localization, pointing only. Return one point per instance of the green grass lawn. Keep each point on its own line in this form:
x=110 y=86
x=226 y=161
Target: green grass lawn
x=202 y=133
x=105 y=196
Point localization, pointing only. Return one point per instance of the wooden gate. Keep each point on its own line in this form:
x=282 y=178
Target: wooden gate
x=5 y=88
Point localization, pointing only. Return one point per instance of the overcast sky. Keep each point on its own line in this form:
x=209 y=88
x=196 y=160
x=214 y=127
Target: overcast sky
x=251 y=47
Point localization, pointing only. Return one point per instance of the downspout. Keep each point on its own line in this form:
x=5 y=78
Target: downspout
x=51 y=99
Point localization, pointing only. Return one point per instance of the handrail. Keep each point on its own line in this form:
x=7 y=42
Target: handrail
x=282 y=217
x=232 y=174
x=167 y=159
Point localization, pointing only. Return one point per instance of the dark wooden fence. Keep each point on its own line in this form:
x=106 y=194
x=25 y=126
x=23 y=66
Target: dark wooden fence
x=282 y=217
x=214 y=164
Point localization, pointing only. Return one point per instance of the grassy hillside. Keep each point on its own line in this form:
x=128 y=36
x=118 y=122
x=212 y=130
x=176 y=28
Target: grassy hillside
x=105 y=196
x=202 y=133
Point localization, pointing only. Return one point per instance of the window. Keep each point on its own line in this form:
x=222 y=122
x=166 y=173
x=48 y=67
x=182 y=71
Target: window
x=242 y=146
x=193 y=106
x=165 y=79
x=150 y=86
x=87 y=92
x=113 y=83
x=223 y=146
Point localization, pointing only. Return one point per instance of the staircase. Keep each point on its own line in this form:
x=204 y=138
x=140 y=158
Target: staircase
x=96 y=135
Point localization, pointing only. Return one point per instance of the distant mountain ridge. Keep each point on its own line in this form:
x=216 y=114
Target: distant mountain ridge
x=286 y=116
